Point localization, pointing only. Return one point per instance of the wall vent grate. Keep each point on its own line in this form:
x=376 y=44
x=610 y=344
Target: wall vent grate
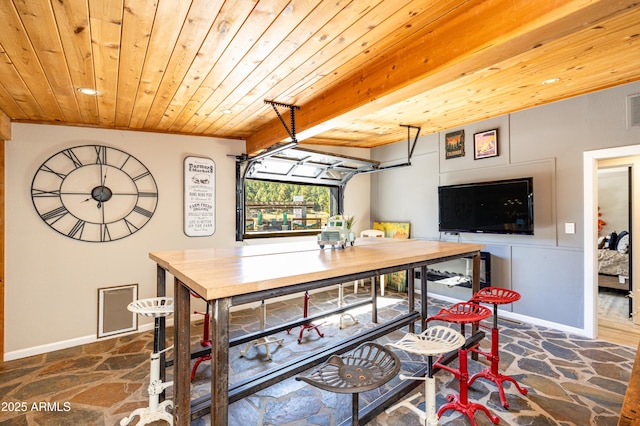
x=113 y=315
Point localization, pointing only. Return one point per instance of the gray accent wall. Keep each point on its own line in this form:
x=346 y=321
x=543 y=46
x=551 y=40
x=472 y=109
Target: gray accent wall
x=545 y=142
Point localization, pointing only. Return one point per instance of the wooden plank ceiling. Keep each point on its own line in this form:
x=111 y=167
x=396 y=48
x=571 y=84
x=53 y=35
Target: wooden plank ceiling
x=357 y=69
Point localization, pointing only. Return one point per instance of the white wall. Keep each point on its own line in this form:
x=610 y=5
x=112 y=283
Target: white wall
x=52 y=281
x=613 y=199
x=547 y=143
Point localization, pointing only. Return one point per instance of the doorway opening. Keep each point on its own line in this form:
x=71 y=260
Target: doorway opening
x=615 y=272
x=592 y=161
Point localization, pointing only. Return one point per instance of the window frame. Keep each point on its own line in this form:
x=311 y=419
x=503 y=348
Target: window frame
x=336 y=205
x=292 y=165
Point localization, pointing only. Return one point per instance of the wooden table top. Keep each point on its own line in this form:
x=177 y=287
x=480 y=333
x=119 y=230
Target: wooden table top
x=630 y=413
x=166 y=258
x=220 y=273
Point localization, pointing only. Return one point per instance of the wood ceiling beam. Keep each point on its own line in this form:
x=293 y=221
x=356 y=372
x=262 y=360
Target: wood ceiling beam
x=473 y=37
x=5 y=127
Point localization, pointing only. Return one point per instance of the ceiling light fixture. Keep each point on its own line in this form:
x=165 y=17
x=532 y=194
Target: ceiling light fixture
x=551 y=81
x=226 y=111
x=88 y=91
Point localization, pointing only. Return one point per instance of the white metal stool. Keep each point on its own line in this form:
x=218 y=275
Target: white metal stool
x=371 y=233
x=155 y=307
x=341 y=304
x=262 y=341
x=435 y=340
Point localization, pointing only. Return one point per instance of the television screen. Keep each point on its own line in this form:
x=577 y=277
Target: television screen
x=499 y=207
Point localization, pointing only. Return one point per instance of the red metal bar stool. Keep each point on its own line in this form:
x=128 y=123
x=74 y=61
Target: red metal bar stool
x=309 y=326
x=206 y=338
x=462 y=313
x=495 y=296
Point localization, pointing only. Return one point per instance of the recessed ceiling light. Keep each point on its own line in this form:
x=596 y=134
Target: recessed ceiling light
x=226 y=111
x=87 y=91
x=551 y=81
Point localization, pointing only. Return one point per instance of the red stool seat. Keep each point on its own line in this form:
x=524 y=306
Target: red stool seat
x=496 y=296
x=462 y=313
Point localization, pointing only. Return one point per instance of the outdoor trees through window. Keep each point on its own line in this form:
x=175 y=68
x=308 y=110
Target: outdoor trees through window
x=285 y=207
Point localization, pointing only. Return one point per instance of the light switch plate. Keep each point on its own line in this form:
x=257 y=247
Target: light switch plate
x=569 y=228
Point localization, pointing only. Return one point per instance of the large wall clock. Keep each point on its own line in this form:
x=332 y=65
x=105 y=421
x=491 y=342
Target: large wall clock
x=94 y=193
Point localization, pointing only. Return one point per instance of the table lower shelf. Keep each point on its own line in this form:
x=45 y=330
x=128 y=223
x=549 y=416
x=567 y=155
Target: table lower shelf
x=202 y=406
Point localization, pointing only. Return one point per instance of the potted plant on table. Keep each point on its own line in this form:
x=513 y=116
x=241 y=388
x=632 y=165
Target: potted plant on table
x=349 y=221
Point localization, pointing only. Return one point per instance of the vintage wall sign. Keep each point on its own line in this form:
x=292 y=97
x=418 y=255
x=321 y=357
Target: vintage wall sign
x=199 y=197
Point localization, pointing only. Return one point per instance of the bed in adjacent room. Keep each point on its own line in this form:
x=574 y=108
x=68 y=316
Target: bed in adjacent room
x=613 y=261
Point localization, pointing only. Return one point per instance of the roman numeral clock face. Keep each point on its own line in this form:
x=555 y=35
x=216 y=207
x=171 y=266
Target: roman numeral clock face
x=94 y=193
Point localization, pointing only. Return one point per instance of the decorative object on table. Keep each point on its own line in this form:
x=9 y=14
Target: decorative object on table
x=396 y=280
x=369 y=366
x=436 y=340
x=454 y=144
x=94 y=193
x=350 y=221
x=495 y=296
x=485 y=144
x=155 y=307
x=337 y=233
x=199 y=197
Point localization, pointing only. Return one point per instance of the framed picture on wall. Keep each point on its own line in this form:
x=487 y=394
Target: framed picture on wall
x=454 y=144
x=485 y=144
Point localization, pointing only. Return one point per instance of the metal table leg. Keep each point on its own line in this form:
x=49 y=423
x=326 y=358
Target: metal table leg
x=220 y=361
x=182 y=355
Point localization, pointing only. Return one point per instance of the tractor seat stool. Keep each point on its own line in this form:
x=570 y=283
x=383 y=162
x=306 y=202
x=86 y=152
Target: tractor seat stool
x=462 y=313
x=155 y=307
x=495 y=296
x=436 y=340
x=369 y=366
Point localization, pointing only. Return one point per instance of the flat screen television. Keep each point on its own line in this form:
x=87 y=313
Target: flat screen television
x=498 y=207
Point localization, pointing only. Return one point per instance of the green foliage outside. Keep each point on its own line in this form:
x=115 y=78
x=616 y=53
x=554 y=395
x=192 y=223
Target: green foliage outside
x=265 y=193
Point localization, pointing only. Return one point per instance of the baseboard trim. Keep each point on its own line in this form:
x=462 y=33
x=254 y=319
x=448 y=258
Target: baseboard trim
x=65 y=344
x=85 y=340
x=523 y=318
x=50 y=347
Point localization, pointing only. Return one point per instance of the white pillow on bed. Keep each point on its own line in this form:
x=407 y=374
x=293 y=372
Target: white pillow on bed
x=623 y=244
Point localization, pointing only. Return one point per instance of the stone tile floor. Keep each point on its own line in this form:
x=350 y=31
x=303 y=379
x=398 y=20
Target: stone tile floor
x=571 y=380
